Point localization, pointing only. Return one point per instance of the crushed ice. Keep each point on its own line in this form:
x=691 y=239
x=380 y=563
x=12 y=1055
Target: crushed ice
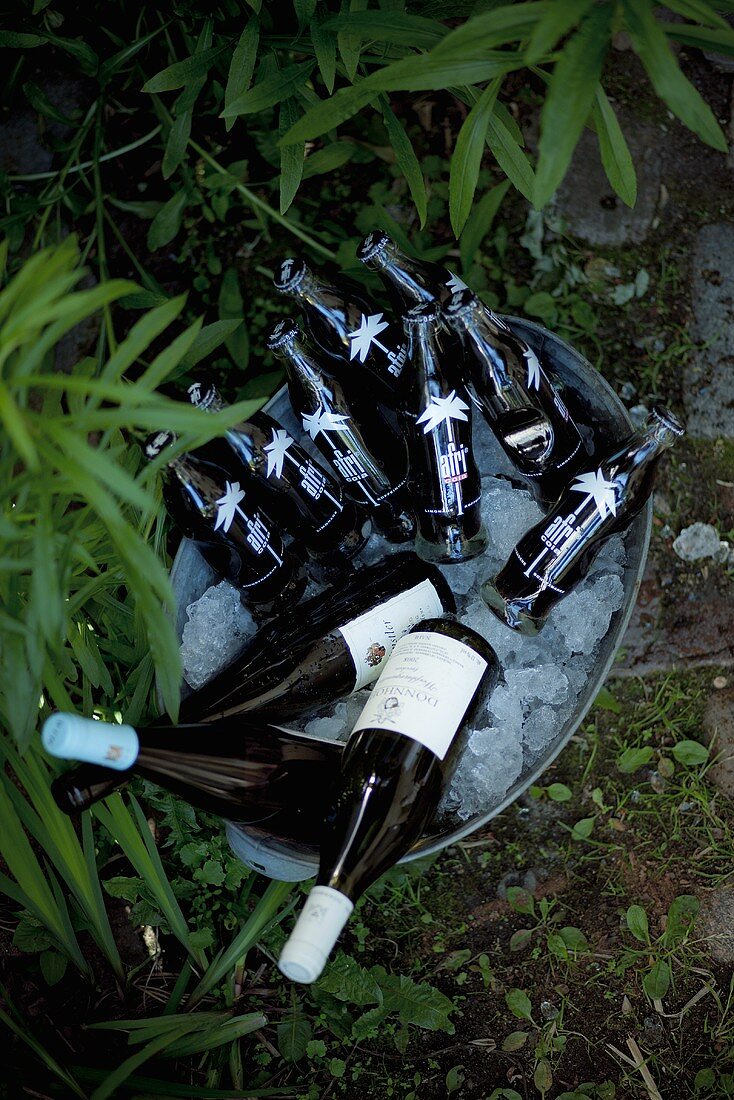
x=542 y=676
x=218 y=627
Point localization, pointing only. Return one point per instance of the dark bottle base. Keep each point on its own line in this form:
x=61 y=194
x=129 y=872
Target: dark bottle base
x=395 y=527
x=451 y=545
x=512 y=613
x=337 y=557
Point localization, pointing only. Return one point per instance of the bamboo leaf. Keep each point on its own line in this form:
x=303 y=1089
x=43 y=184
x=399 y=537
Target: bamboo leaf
x=242 y=65
x=167 y=222
x=15 y=425
x=509 y=155
x=398 y=28
x=231 y=308
x=324 y=44
x=291 y=156
x=141 y=336
x=467 y=157
x=558 y=20
x=702 y=38
x=651 y=46
x=569 y=100
x=183 y=72
x=273 y=89
x=505 y=24
x=350 y=44
x=480 y=221
x=700 y=12
x=406 y=159
x=209 y=338
x=615 y=154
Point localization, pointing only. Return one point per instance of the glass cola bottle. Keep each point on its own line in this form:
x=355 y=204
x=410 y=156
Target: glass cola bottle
x=408 y=282
x=355 y=437
x=231 y=532
x=552 y=557
x=298 y=493
x=347 y=327
x=444 y=479
x=517 y=397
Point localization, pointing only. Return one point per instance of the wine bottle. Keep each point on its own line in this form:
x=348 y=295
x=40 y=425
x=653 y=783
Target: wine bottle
x=408 y=282
x=517 y=397
x=391 y=776
x=336 y=644
x=552 y=557
x=346 y=327
x=232 y=534
x=245 y=771
x=306 y=500
x=444 y=478
x=367 y=454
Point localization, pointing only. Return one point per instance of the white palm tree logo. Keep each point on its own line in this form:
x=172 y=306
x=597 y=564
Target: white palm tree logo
x=277 y=451
x=323 y=420
x=229 y=505
x=455 y=284
x=596 y=487
x=443 y=409
x=366 y=335
x=533 y=366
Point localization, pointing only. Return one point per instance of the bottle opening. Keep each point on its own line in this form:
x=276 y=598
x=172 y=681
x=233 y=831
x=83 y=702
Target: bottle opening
x=427 y=313
x=668 y=419
x=373 y=246
x=157 y=442
x=282 y=333
x=289 y=275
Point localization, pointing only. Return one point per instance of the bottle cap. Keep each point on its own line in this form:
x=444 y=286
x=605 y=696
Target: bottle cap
x=668 y=419
x=461 y=302
x=322 y=918
x=427 y=313
x=157 y=442
x=203 y=394
x=373 y=246
x=70 y=737
x=289 y=275
x=283 y=333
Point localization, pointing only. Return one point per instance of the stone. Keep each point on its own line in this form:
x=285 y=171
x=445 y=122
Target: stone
x=718 y=731
x=586 y=202
x=700 y=540
x=715 y=925
x=709 y=376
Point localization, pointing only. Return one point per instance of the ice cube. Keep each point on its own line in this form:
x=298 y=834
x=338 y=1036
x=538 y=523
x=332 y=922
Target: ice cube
x=218 y=627
x=700 y=540
x=489 y=765
x=583 y=617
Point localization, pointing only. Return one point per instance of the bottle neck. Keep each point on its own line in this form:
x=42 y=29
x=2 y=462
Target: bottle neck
x=406 y=274
x=425 y=351
x=298 y=361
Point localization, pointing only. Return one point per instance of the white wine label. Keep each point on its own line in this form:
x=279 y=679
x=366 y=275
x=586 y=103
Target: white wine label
x=70 y=737
x=425 y=690
x=372 y=637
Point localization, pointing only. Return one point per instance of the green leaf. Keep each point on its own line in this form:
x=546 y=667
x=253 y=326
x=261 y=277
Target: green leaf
x=346 y=980
x=273 y=89
x=176 y=143
x=691 y=753
x=337 y=1067
x=505 y=24
x=651 y=46
x=329 y=158
x=583 y=829
x=167 y=222
x=516 y=1040
x=291 y=156
x=53 y=966
x=212 y=873
x=294 y=1035
x=700 y=12
x=509 y=155
x=30 y=936
x=606 y=701
x=541 y=304
x=242 y=65
x=632 y=760
x=520 y=939
x=350 y=44
x=231 y=308
x=183 y=72
x=681 y=918
x=543 y=1077
x=574 y=939
x=569 y=100
x=557 y=21
x=702 y=38
x=406 y=159
x=480 y=221
x=415 y=1003
x=324 y=44
x=519 y=1005
x=467 y=157
x=559 y=792
x=615 y=154
x=656 y=982
x=522 y=901
x=209 y=338
x=398 y=28
x=637 y=923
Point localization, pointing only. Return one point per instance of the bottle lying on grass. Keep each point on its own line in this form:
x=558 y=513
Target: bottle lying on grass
x=391 y=776
x=250 y=772
x=555 y=555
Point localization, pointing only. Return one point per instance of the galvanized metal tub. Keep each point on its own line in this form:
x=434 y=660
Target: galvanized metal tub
x=591 y=401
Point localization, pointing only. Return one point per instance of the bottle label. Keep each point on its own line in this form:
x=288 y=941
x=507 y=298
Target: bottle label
x=362 y=340
x=372 y=637
x=347 y=454
x=257 y=534
x=425 y=690
x=452 y=448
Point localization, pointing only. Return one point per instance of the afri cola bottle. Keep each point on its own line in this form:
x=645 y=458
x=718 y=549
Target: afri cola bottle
x=355 y=438
x=391 y=776
x=212 y=508
x=347 y=328
x=551 y=559
x=338 y=643
x=408 y=282
x=444 y=478
x=517 y=398
x=304 y=498
x=245 y=771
